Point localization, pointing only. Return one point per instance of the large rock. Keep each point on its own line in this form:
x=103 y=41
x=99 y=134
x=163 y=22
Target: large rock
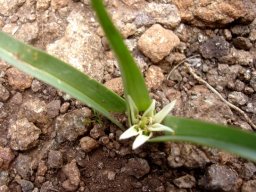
x=72 y=124
x=80 y=45
x=157 y=42
x=23 y=135
x=216 y=13
x=18 y=80
x=219 y=178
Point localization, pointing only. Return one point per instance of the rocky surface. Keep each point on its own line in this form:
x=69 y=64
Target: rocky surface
x=52 y=142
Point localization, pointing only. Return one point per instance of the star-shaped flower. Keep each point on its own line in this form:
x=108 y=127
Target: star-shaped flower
x=144 y=126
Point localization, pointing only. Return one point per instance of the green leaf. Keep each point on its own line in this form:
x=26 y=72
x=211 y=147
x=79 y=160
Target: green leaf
x=60 y=75
x=233 y=140
x=133 y=81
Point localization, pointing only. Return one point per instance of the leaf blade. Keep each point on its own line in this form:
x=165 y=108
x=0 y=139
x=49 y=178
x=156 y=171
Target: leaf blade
x=233 y=140
x=60 y=75
x=133 y=81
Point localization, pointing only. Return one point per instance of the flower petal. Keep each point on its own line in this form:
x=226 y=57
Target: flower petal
x=160 y=127
x=134 y=112
x=140 y=140
x=131 y=132
x=150 y=110
x=159 y=117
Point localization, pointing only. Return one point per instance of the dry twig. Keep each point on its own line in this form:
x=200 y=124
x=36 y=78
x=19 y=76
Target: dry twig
x=191 y=71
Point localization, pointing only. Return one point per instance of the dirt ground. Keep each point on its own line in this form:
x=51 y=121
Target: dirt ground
x=51 y=142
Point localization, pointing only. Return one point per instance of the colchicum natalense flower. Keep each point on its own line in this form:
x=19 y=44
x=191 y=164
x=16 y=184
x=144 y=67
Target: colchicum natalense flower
x=144 y=125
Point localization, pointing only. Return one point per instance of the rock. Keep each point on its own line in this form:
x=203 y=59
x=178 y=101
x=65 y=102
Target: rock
x=47 y=187
x=242 y=43
x=27 y=186
x=249 y=169
x=42 y=5
x=253 y=81
x=184 y=155
x=23 y=166
x=227 y=34
x=4 y=188
x=214 y=48
x=55 y=159
x=6 y=157
x=203 y=104
x=36 y=85
x=28 y=32
x=16 y=99
x=223 y=75
x=64 y=107
x=154 y=77
x=240 y=30
x=18 y=80
x=249 y=186
x=35 y=110
x=71 y=125
x=53 y=108
x=207 y=13
x=110 y=175
x=4 y=93
x=239 y=85
x=157 y=42
x=237 y=98
x=8 y=8
x=239 y=57
x=72 y=173
x=80 y=38
x=186 y=181
x=115 y=85
x=252 y=36
x=88 y=144
x=137 y=167
x=97 y=131
x=58 y=4
x=165 y=14
x=41 y=168
x=23 y=135
x=4 y=178
x=219 y=178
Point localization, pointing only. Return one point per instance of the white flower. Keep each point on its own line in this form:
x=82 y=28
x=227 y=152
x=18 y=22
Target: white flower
x=144 y=126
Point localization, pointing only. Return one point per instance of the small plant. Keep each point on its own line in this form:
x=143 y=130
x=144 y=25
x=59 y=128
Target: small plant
x=142 y=116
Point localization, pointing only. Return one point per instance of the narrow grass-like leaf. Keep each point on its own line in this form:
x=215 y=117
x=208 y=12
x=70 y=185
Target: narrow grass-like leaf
x=233 y=140
x=133 y=81
x=60 y=75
